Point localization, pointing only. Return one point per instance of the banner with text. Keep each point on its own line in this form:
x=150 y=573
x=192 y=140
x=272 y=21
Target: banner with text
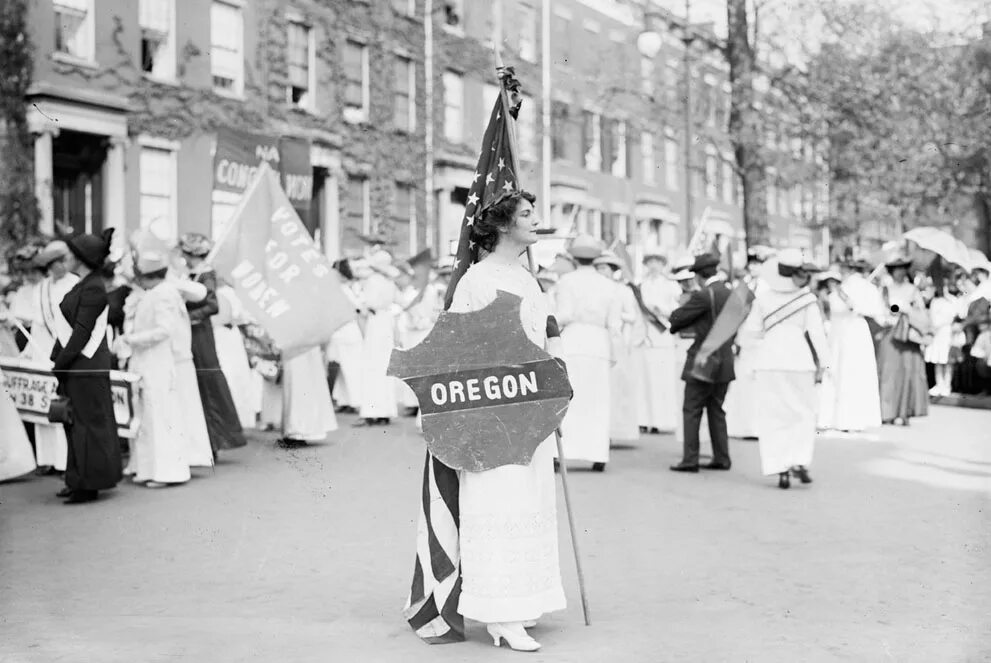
x=282 y=277
x=240 y=153
x=32 y=386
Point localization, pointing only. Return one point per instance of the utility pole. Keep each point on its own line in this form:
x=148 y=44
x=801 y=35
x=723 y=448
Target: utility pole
x=687 y=38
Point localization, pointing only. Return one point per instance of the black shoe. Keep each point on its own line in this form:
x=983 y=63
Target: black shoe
x=384 y=421
x=802 y=473
x=81 y=497
x=684 y=467
x=783 y=481
x=363 y=422
x=288 y=443
x=65 y=492
x=717 y=466
x=598 y=467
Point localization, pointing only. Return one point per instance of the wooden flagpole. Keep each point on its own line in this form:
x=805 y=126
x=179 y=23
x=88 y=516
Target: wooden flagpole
x=513 y=152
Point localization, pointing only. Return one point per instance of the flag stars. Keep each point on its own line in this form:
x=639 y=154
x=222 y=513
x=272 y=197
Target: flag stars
x=508 y=186
x=475 y=178
x=471 y=245
x=470 y=221
x=473 y=199
x=489 y=179
x=457 y=261
x=502 y=163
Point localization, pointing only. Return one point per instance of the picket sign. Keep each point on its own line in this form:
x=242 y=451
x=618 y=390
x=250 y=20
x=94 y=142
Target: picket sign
x=31 y=386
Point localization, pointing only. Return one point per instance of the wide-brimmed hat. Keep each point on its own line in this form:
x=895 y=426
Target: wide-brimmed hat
x=793 y=258
x=92 y=250
x=829 y=275
x=585 y=247
x=195 y=244
x=381 y=262
x=683 y=275
x=54 y=250
x=705 y=261
x=654 y=255
x=146 y=262
x=608 y=258
x=898 y=262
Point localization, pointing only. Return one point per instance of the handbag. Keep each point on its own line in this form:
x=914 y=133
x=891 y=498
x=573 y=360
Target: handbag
x=902 y=329
x=708 y=369
x=60 y=410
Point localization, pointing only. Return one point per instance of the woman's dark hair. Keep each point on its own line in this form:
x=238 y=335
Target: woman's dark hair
x=155 y=274
x=584 y=262
x=787 y=270
x=497 y=216
x=707 y=272
x=344 y=269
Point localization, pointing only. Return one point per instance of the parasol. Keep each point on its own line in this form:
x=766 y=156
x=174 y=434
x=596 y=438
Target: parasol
x=941 y=243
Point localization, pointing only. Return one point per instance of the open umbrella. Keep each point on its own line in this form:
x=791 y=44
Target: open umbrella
x=941 y=243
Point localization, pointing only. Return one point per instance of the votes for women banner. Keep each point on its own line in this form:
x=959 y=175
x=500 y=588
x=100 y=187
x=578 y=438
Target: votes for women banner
x=278 y=272
x=31 y=386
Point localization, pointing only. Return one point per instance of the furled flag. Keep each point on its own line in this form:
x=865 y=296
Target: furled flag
x=432 y=607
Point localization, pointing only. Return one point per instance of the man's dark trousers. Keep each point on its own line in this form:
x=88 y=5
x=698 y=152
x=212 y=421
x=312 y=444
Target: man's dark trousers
x=708 y=396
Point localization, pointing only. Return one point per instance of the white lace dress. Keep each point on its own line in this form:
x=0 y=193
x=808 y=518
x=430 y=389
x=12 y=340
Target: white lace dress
x=509 y=550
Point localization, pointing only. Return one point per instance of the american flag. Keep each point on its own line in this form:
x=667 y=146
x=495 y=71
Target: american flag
x=432 y=606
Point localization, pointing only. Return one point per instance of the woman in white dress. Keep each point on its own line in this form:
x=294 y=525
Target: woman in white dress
x=232 y=355
x=786 y=316
x=508 y=536
x=379 y=297
x=623 y=420
x=307 y=411
x=943 y=310
x=851 y=399
x=345 y=344
x=154 y=334
x=16 y=456
x=654 y=351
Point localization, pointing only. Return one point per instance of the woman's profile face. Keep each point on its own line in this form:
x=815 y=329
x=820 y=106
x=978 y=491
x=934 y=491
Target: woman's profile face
x=899 y=274
x=523 y=230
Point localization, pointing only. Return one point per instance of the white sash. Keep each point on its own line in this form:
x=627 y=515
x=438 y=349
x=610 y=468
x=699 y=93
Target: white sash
x=60 y=327
x=792 y=307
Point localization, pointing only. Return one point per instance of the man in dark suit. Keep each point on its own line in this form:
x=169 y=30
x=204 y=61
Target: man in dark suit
x=699 y=313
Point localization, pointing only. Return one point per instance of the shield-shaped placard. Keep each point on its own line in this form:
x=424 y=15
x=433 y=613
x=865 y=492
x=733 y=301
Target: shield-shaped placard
x=488 y=395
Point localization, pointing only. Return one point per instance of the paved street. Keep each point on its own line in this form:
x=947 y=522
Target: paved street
x=306 y=556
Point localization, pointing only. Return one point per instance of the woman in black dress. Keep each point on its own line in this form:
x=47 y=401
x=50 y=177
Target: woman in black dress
x=82 y=366
x=222 y=421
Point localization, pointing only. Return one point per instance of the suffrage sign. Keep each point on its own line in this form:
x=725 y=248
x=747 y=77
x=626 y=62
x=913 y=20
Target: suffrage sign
x=487 y=394
x=281 y=276
x=32 y=387
x=240 y=154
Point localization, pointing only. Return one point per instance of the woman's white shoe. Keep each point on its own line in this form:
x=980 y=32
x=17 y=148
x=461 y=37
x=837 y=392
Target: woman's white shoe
x=514 y=635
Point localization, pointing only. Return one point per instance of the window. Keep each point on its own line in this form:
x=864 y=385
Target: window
x=404 y=212
x=158 y=191
x=358 y=205
x=671 y=163
x=647 y=76
x=647 y=152
x=404 y=7
x=355 y=81
x=526 y=129
x=454 y=99
x=404 y=106
x=157 y=38
x=591 y=148
x=527 y=17
x=618 y=140
x=74 y=27
x=454 y=15
x=227 y=47
x=560 y=117
x=301 y=58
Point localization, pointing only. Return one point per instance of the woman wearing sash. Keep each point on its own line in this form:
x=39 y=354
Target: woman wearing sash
x=789 y=362
x=82 y=366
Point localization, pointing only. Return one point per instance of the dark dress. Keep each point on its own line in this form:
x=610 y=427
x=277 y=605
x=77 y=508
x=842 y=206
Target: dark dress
x=699 y=313
x=94 y=461
x=222 y=421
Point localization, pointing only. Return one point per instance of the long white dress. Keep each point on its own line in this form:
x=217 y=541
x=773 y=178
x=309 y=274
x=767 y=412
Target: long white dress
x=658 y=371
x=942 y=311
x=50 y=444
x=232 y=355
x=307 y=411
x=589 y=314
x=785 y=368
x=508 y=536
x=346 y=349
x=16 y=457
x=850 y=396
x=378 y=390
x=623 y=419
x=159 y=451
x=420 y=312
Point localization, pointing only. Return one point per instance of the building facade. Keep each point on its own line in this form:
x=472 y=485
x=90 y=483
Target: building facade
x=155 y=112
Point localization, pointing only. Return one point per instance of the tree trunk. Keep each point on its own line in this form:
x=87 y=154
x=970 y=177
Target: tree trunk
x=745 y=125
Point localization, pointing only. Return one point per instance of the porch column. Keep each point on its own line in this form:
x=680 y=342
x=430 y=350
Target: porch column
x=114 y=191
x=330 y=224
x=43 y=178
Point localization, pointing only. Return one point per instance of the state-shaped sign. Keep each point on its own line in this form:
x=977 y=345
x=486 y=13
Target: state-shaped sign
x=488 y=395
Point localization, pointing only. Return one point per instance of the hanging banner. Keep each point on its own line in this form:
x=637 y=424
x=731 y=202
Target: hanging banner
x=281 y=276
x=240 y=153
x=31 y=386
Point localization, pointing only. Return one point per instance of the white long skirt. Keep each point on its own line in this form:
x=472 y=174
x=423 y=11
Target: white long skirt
x=378 y=390
x=345 y=349
x=850 y=394
x=270 y=415
x=159 y=451
x=234 y=364
x=509 y=549
x=623 y=423
x=585 y=429
x=786 y=424
x=656 y=391
x=741 y=399
x=16 y=458
x=307 y=411
x=50 y=446
x=199 y=453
